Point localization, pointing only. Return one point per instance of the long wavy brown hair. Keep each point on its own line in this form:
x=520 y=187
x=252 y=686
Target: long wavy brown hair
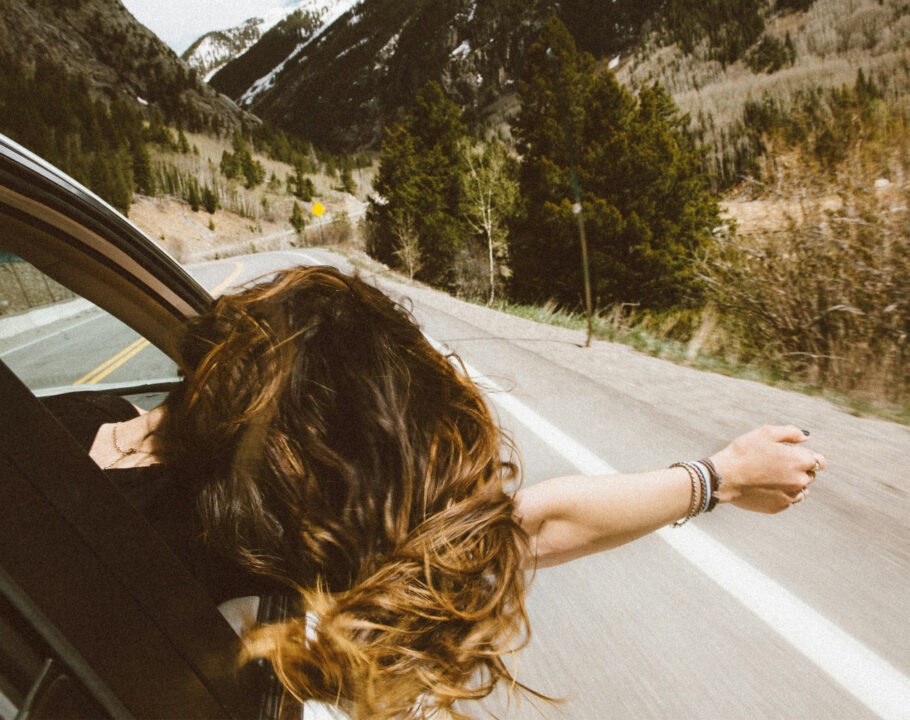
x=339 y=453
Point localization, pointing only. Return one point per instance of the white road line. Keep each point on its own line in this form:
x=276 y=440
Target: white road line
x=871 y=679
x=868 y=677
x=48 y=336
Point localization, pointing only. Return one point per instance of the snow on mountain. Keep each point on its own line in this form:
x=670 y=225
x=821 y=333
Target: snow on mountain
x=266 y=81
x=331 y=11
x=339 y=9
x=216 y=48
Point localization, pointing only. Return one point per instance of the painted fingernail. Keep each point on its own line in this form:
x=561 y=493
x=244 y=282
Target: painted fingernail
x=806 y=433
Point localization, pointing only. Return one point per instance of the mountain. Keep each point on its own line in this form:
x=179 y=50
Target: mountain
x=215 y=49
x=101 y=42
x=339 y=86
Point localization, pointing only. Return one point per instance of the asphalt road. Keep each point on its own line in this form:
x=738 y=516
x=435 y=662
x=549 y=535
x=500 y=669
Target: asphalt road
x=802 y=615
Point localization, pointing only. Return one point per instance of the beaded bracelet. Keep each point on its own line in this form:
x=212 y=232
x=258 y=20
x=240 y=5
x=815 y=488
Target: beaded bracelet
x=694 y=502
x=704 y=480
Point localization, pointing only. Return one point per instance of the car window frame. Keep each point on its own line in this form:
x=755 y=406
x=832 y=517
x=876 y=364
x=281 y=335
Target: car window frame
x=77 y=239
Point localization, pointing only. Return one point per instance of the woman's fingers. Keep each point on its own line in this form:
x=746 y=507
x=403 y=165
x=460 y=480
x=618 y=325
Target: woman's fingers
x=768 y=469
x=765 y=500
x=811 y=463
x=785 y=433
x=798 y=497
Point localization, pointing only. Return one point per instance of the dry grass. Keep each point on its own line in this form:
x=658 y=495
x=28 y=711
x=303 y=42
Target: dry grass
x=823 y=297
x=247 y=218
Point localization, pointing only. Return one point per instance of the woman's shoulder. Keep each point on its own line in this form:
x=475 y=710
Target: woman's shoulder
x=313 y=710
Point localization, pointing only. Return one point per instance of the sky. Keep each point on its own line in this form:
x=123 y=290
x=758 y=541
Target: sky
x=179 y=22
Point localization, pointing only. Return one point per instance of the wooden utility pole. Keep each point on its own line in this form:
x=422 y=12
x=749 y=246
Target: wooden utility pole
x=576 y=208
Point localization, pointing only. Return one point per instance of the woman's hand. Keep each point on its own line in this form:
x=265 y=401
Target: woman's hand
x=765 y=470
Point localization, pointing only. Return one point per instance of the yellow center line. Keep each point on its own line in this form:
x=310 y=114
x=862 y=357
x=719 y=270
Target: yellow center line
x=103 y=366
x=137 y=346
x=135 y=351
x=230 y=278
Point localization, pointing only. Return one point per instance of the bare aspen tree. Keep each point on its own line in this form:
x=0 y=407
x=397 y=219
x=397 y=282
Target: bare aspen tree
x=490 y=195
x=408 y=243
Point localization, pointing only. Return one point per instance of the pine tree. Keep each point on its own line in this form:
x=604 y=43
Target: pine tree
x=229 y=166
x=300 y=185
x=308 y=190
x=143 y=180
x=347 y=183
x=419 y=178
x=298 y=221
x=253 y=172
x=193 y=196
x=645 y=200
x=209 y=199
x=120 y=196
x=544 y=248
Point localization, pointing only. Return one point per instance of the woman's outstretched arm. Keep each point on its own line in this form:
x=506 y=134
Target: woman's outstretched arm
x=568 y=517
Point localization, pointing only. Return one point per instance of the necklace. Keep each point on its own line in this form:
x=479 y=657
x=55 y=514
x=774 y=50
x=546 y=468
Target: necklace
x=123 y=453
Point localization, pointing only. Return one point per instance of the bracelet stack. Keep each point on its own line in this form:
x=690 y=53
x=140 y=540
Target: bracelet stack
x=705 y=482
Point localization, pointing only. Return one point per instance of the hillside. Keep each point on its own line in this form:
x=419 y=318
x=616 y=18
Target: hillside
x=816 y=47
x=342 y=88
x=119 y=59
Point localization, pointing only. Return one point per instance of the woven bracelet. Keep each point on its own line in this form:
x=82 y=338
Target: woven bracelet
x=705 y=478
x=716 y=481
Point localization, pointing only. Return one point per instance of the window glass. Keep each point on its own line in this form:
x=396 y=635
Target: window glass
x=56 y=341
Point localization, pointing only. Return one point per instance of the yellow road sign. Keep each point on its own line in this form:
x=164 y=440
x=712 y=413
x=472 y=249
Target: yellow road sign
x=318 y=209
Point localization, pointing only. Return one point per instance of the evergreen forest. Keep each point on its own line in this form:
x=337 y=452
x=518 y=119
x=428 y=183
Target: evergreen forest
x=644 y=196
x=54 y=115
x=665 y=269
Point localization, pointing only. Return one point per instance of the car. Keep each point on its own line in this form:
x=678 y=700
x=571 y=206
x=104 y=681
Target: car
x=98 y=617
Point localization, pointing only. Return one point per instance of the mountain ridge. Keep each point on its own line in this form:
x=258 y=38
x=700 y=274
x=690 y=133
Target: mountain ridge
x=214 y=49
x=101 y=41
x=362 y=74
x=343 y=87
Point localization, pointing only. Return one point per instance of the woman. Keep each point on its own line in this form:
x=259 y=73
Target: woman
x=319 y=443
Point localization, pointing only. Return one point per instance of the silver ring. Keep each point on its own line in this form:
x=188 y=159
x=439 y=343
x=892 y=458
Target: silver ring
x=803 y=493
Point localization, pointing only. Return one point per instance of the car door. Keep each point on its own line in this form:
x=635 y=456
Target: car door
x=97 y=616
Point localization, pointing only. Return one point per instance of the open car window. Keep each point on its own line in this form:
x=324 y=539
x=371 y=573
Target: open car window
x=86 y=584
x=57 y=341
